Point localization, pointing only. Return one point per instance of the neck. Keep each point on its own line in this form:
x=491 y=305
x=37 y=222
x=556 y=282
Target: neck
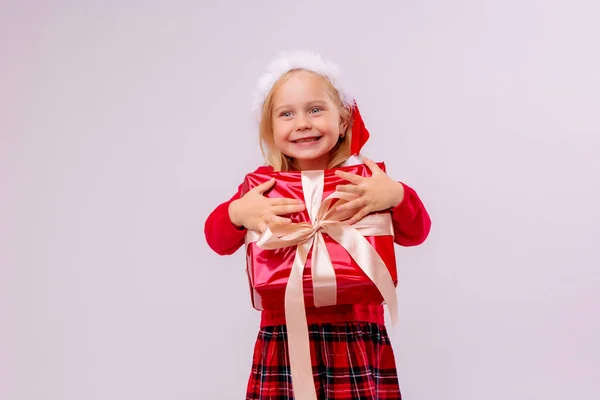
x=310 y=165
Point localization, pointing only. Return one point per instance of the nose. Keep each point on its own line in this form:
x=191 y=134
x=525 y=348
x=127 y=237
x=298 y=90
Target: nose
x=302 y=122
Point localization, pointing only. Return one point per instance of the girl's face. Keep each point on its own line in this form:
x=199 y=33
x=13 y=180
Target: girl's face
x=306 y=122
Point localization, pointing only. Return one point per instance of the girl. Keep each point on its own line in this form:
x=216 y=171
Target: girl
x=309 y=121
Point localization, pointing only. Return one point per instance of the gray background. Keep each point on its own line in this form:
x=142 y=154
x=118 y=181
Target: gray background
x=123 y=124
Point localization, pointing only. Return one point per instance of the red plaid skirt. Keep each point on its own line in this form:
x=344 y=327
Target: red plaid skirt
x=352 y=360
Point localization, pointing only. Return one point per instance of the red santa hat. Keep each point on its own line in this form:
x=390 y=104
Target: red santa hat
x=310 y=61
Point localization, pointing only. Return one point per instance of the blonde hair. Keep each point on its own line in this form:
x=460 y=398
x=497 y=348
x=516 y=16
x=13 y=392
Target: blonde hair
x=279 y=161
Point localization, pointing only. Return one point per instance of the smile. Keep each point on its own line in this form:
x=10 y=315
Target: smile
x=307 y=140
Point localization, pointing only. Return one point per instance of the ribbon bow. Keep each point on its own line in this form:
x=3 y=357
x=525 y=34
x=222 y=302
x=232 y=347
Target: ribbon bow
x=306 y=236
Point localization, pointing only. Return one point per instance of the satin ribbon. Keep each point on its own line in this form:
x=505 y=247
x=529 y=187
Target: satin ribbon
x=307 y=236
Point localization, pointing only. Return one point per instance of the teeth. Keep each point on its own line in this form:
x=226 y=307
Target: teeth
x=306 y=140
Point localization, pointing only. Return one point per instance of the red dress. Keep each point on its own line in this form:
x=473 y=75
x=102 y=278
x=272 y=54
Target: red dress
x=350 y=349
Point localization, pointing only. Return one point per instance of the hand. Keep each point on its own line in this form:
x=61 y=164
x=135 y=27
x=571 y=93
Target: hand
x=376 y=193
x=255 y=211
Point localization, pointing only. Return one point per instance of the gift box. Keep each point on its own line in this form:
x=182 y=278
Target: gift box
x=356 y=263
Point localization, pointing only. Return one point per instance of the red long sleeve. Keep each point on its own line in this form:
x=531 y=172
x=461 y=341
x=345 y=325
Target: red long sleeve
x=222 y=236
x=410 y=219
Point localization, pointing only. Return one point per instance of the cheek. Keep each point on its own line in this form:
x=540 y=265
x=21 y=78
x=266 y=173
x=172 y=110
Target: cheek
x=282 y=124
x=279 y=132
x=332 y=127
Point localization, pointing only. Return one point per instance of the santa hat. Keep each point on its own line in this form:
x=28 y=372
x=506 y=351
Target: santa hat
x=309 y=61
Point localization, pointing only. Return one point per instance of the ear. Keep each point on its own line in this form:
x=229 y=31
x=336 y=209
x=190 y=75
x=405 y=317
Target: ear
x=344 y=123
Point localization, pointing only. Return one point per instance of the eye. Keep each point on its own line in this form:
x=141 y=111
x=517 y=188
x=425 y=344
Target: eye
x=285 y=114
x=315 y=110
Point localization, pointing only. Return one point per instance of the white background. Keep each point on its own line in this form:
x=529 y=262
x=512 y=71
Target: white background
x=123 y=124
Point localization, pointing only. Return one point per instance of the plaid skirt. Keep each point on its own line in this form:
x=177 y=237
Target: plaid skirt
x=351 y=360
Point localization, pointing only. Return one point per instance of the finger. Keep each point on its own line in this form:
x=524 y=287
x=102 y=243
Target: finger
x=284 y=202
x=356 y=203
x=263 y=187
x=359 y=215
x=262 y=226
x=373 y=167
x=275 y=220
x=353 y=178
x=287 y=209
x=350 y=189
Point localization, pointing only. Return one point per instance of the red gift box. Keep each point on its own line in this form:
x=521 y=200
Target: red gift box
x=269 y=268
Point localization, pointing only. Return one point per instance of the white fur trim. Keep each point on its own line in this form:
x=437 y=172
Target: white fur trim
x=299 y=59
x=353 y=160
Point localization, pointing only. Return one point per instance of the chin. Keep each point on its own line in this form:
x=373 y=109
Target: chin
x=311 y=157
